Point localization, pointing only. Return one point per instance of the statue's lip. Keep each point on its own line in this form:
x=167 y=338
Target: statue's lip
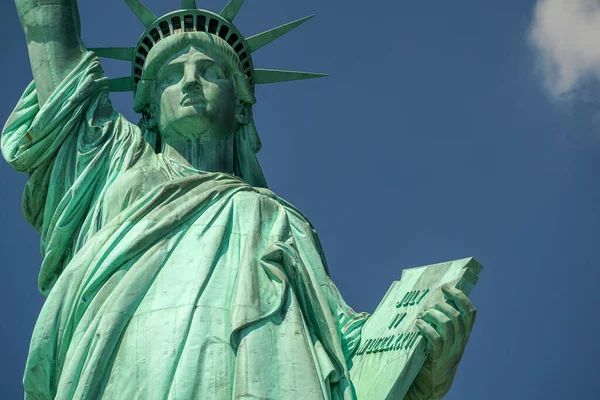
x=193 y=98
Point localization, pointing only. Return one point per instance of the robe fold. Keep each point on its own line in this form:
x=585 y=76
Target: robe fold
x=162 y=281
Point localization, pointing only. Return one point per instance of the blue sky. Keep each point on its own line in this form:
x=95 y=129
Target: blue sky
x=436 y=137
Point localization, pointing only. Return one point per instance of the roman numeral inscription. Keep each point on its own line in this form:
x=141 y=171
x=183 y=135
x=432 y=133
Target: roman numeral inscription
x=402 y=341
x=397 y=320
x=397 y=341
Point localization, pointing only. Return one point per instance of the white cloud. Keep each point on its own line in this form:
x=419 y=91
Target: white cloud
x=566 y=35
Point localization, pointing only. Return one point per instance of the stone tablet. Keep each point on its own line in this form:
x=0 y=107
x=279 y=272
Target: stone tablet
x=392 y=350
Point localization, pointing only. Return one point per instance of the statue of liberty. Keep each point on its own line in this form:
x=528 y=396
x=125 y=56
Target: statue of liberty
x=170 y=270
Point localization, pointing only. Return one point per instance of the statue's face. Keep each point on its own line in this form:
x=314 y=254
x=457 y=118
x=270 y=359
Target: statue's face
x=195 y=98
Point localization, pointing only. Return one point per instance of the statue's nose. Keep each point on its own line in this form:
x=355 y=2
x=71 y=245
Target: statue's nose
x=192 y=84
x=192 y=79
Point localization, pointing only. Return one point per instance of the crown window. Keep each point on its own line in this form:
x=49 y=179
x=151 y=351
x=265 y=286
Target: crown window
x=213 y=24
x=148 y=42
x=188 y=22
x=223 y=31
x=176 y=21
x=232 y=39
x=201 y=23
x=165 y=29
x=155 y=35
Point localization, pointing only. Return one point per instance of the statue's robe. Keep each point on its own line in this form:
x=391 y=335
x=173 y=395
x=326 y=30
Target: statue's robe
x=162 y=281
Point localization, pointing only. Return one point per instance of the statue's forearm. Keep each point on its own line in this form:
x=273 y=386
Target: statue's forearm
x=52 y=30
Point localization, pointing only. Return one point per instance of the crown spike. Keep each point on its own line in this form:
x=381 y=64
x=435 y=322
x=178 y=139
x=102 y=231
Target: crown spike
x=116 y=53
x=188 y=4
x=275 y=76
x=141 y=12
x=124 y=84
x=257 y=41
x=231 y=9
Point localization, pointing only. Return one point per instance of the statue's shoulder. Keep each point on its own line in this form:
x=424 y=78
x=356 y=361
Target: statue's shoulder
x=271 y=199
x=251 y=196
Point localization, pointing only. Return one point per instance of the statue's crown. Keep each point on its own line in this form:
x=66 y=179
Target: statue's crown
x=192 y=19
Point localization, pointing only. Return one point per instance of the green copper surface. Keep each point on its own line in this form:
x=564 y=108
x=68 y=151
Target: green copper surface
x=262 y=39
x=116 y=53
x=124 y=84
x=189 y=4
x=141 y=12
x=262 y=76
x=231 y=9
x=171 y=271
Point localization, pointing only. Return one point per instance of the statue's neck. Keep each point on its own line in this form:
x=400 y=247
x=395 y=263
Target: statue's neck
x=213 y=156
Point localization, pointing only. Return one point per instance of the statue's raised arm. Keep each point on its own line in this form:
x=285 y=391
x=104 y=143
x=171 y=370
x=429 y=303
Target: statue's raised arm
x=52 y=30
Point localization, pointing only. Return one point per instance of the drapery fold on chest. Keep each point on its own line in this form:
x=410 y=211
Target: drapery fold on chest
x=79 y=329
x=294 y=263
x=71 y=148
x=89 y=308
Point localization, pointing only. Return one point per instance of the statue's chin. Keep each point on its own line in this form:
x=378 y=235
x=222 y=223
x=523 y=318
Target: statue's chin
x=196 y=130
x=195 y=122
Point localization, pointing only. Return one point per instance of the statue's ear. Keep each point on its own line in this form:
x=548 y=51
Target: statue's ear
x=242 y=113
x=149 y=117
x=149 y=127
x=146 y=115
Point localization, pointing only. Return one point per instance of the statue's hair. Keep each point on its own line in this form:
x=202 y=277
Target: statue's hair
x=212 y=45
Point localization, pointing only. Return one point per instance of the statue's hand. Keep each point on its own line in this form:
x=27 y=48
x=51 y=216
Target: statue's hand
x=446 y=326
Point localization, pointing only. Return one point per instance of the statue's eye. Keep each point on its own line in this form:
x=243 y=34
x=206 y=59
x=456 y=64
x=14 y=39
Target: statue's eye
x=213 y=73
x=171 y=76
